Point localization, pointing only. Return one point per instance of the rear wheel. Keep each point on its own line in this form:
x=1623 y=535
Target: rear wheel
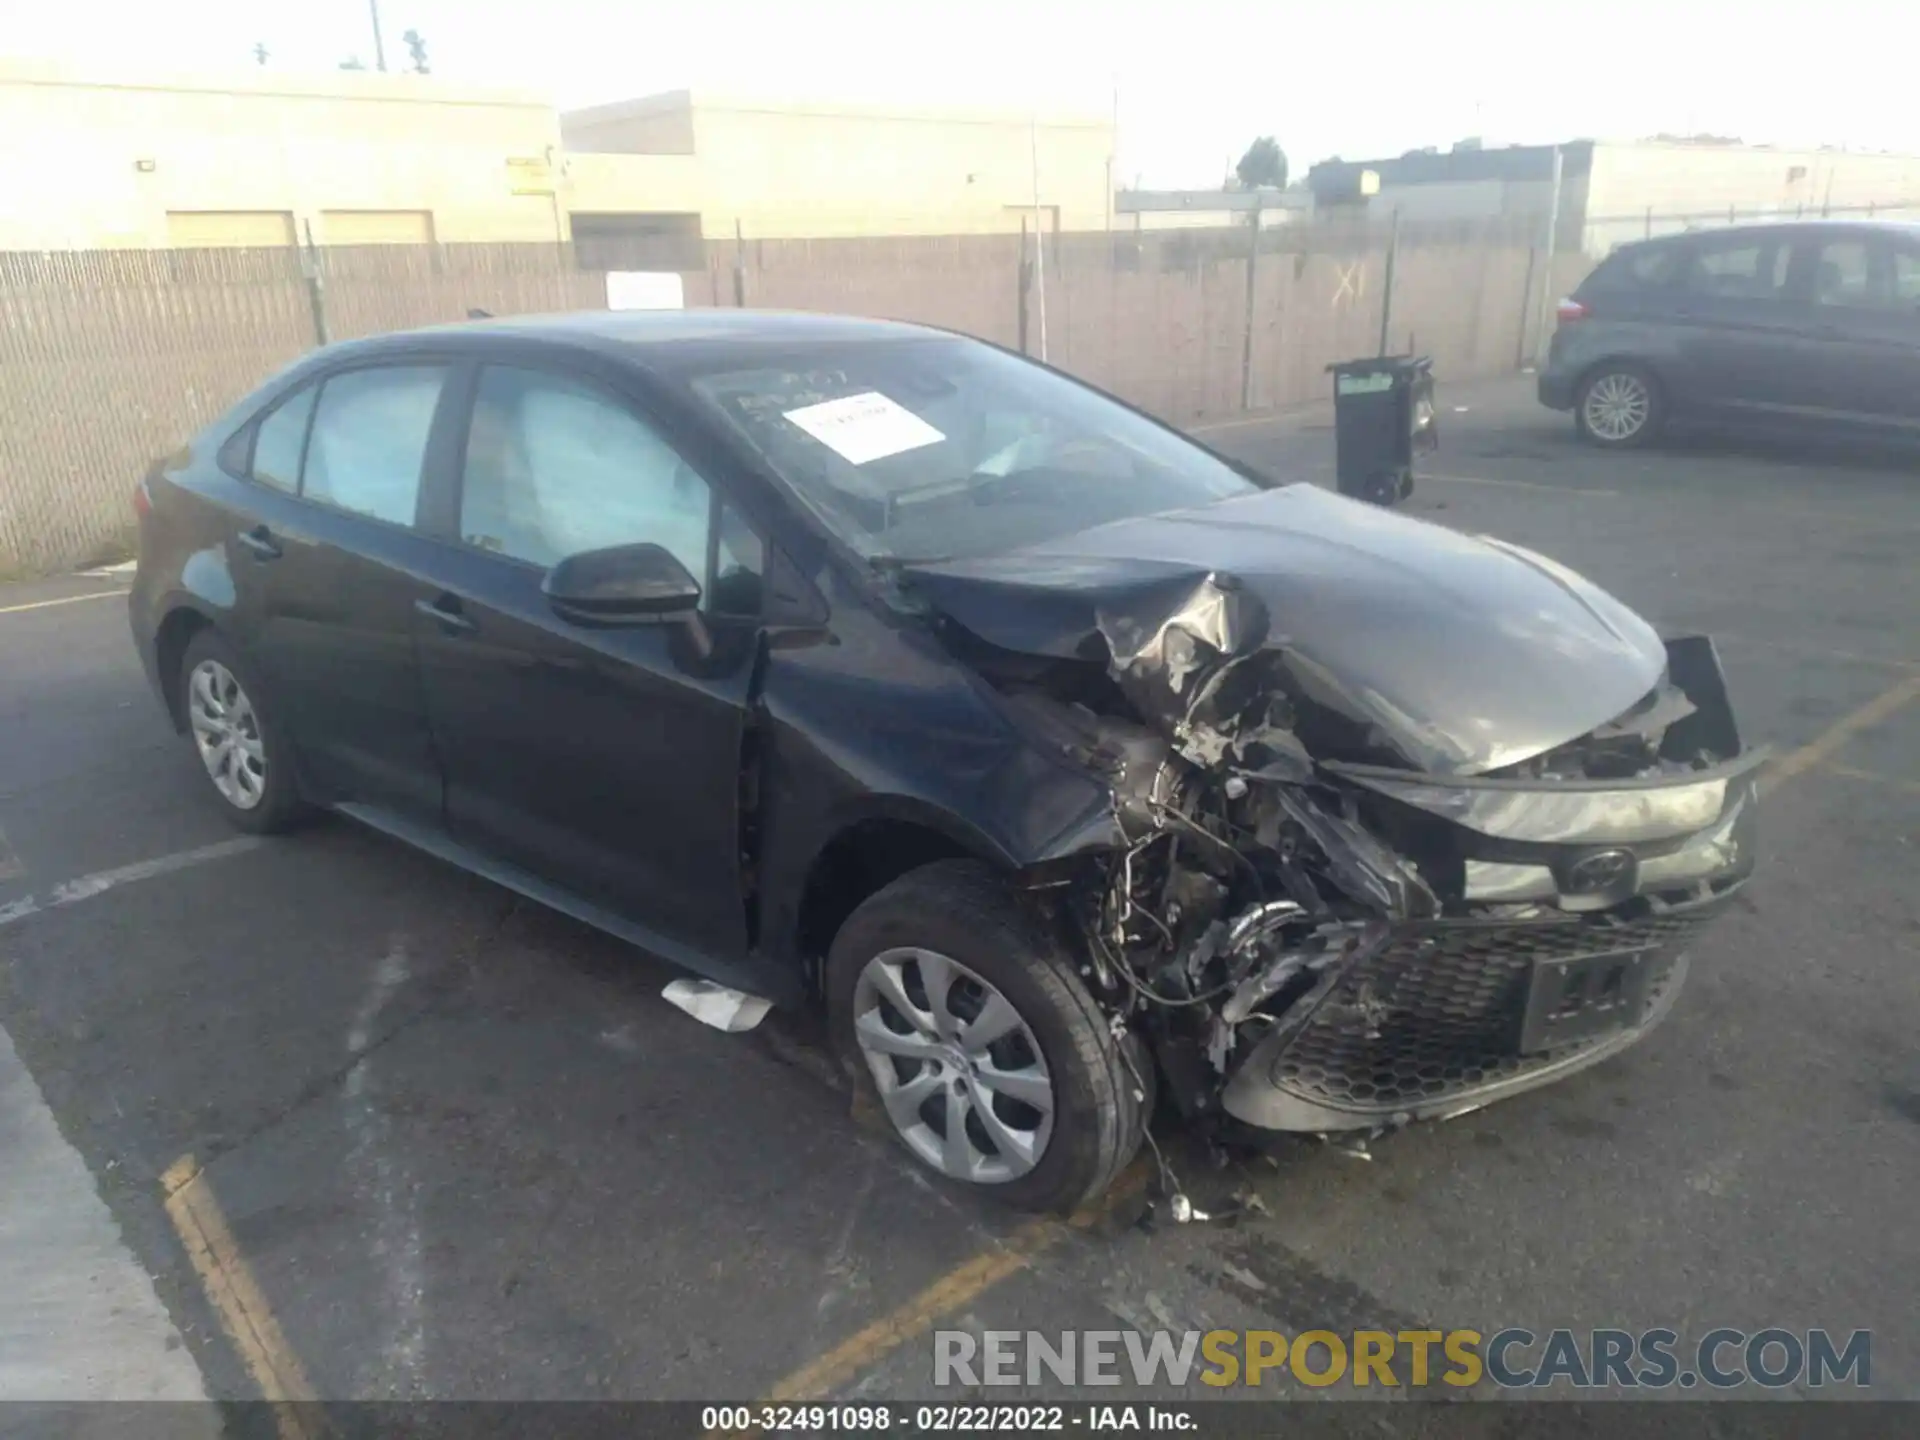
x=1619 y=406
x=233 y=733
x=972 y=1034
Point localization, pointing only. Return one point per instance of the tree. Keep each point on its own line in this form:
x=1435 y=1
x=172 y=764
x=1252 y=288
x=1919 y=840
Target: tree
x=417 y=48
x=1265 y=163
x=260 y=53
x=353 y=62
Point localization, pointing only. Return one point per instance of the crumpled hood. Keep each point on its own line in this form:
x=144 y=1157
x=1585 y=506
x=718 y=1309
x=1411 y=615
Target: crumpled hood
x=1463 y=653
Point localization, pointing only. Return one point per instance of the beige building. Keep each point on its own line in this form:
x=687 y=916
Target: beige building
x=261 y=157
x=800 y=169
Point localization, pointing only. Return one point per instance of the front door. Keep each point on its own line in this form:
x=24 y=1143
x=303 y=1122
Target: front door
x=605 y=760
x=332 y=550
x=1862 y=327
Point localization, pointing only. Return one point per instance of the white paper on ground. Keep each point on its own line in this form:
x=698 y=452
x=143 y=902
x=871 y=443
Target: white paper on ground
x=864 y=427
x=718 y=1006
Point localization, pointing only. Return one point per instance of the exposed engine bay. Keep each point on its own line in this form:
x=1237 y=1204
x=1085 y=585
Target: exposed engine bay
x=1329 y=912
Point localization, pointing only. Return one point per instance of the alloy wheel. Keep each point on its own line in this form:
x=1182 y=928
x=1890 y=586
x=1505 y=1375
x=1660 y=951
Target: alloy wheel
x=1617 y=406
x=958 y=1070
x=226 y=731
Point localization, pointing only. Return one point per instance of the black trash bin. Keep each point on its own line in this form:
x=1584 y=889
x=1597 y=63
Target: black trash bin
x=1382 y=413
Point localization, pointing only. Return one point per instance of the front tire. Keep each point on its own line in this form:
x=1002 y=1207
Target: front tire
x=1618 y=407
x=247 y=762
x=970 y=1032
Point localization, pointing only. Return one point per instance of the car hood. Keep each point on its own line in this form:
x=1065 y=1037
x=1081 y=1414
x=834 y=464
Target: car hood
x=1459 y=653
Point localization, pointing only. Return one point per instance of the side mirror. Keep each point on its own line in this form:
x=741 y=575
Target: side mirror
x=622 y=585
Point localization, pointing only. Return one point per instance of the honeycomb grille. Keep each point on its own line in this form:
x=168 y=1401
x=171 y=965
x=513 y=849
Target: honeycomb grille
x=1437 y=1013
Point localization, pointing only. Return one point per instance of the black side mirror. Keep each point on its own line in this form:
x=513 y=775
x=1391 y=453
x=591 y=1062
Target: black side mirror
x=622 y=585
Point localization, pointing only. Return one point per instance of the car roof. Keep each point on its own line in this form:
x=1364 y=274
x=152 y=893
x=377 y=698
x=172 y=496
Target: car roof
x=669 y=338
x=1841 y=225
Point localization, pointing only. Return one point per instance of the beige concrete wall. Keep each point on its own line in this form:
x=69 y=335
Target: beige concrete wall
x=655 y=125
x=632 y=184
x=99 y=161
x=1702 y=182
x=813 y=171
x=820 y=171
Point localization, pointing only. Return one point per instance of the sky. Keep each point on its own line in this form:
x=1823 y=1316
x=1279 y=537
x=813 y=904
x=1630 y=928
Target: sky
x=1195 y=80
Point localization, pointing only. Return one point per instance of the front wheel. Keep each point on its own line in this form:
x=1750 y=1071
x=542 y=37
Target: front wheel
x=972 y=1034
x=1618 y=407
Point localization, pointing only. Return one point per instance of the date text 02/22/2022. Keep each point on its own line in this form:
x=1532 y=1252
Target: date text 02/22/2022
x=942 y=1419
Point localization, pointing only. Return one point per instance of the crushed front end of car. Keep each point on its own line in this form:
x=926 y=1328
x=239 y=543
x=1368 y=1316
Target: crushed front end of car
x=1402 y=823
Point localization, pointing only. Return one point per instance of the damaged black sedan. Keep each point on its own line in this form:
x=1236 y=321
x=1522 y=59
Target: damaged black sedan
x=1075 y=769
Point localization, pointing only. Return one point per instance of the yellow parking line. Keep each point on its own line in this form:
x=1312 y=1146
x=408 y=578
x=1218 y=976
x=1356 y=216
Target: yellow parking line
x=1823 y=747
x=948 y=1295
x=63 y=600
x=1853 y=772
x=237 y=1299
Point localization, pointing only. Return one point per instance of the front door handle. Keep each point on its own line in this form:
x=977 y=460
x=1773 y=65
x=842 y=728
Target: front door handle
x=445 y=612
x=260 y=542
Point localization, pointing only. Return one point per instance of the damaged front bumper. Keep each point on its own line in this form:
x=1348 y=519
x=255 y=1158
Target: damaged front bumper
x=1589 y=897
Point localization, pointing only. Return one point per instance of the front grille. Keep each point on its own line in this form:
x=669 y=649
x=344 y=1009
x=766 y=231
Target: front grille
x=1436 y=1014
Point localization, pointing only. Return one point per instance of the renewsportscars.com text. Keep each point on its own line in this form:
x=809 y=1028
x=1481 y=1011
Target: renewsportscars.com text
x=1513 y=1359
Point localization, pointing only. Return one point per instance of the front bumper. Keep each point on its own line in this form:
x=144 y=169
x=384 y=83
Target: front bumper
x=1426 y=1023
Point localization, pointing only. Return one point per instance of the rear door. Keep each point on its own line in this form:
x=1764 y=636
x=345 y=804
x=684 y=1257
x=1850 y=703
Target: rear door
x=1736 y=329
x=604 y=760
x=1862 y=326
x=331 y=550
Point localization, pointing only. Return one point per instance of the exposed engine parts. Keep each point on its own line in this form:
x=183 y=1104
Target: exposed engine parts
x=1316 y=931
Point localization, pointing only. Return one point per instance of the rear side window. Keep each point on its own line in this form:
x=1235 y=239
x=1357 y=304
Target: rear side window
x=279 y=439
x=1640 y=267
x=1738 y=268
x=369 y=440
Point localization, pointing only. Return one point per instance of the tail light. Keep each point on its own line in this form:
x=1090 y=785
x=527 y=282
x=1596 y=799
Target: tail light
x=142 y=500
x=1572 y=310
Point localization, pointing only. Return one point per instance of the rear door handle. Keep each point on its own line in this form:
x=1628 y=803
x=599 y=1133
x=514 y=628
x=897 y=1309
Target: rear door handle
x=260 y=542
x=445 y=612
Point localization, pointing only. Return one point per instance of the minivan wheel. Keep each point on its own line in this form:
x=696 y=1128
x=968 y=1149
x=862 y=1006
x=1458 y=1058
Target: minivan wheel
x=971 y=1034
x=1618 y=406
x=235 y=737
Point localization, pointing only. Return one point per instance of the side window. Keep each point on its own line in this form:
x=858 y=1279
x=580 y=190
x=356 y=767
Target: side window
x=555 y=467
x=1736 y=269
x=279 y=439
x=369 y=440
x=1843 y=275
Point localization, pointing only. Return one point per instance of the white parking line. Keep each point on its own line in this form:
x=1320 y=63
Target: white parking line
x=1514 y=484
x=62 y=600
x=87 y=886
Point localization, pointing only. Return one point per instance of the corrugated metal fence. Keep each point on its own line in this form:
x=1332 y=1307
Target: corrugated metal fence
x=110 y=358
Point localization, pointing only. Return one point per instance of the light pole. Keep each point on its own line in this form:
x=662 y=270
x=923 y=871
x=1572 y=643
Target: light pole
x=379 y=45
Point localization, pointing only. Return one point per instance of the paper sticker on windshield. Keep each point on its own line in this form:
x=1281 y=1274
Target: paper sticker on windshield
x=865 y=427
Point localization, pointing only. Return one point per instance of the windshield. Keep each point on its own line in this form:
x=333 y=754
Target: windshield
x=945 y=449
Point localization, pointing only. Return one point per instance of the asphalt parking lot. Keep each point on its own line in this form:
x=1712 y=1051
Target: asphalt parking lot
x=457 y=1146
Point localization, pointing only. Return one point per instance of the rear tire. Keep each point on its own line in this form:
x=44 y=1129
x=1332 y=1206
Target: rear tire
x=942 y=956
x=238 y=741
x=1619 y=406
